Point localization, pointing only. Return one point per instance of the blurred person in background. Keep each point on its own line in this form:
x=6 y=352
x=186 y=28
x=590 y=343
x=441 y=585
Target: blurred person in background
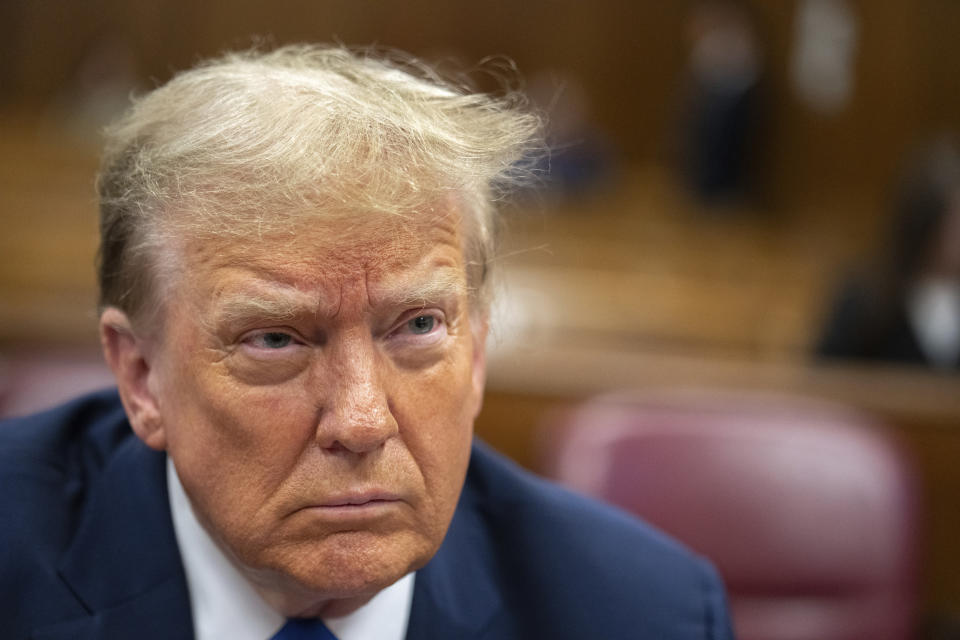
x=721 y=112
x=582 y=160
x=296 y=249
x=907 y=309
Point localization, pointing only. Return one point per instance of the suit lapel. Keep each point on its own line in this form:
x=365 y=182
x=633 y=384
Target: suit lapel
x=456 y=595
x=124 y=565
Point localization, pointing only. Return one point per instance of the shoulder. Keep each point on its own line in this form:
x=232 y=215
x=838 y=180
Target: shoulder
x=47 y=465
x=48 y=459
x=598 y=565
x=85 y=531
x=95 y=423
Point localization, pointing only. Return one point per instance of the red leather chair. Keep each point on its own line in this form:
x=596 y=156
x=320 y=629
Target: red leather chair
x=807 y=509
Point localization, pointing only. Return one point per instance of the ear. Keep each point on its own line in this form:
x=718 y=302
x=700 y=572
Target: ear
x=479 y=326
x=127 y=355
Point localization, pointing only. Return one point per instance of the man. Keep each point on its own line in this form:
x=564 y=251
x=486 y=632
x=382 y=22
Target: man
x=294 y=276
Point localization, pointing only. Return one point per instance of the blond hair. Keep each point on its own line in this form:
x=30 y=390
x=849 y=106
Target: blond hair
x=243 y=143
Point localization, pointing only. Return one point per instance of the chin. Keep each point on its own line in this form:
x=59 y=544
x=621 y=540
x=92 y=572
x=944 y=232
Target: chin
x=356 y=564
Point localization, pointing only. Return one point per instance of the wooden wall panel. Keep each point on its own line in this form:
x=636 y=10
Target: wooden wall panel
x=629 y=56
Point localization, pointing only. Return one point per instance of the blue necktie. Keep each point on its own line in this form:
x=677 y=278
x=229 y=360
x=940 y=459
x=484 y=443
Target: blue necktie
x=304 y=629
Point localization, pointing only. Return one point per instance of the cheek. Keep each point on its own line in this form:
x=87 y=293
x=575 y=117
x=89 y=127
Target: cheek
x=435 y=414
x=234 y=440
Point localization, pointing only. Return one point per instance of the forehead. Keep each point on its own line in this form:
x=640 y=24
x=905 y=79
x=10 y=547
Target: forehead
x=376 y=252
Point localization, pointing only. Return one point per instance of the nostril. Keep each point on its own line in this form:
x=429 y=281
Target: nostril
x=356 y=428
x=336 y=447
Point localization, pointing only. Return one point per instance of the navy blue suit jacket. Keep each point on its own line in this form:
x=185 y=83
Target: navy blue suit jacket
x=87 y=550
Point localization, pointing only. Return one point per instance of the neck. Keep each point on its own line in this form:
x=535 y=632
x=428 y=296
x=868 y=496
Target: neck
x=306 y=606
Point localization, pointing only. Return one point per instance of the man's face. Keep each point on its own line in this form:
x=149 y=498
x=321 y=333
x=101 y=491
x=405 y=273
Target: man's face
x=317 y=393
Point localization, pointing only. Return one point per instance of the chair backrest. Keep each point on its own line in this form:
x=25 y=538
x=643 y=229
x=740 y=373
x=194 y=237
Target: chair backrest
x=808 y=510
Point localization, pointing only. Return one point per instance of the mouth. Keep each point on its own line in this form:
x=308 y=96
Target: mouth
x=357 y=503
x=359 y=499
x=355 y=506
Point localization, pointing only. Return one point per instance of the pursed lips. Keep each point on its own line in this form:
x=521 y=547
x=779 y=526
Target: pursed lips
x=355 y=502
x=360 y=500
x=353 y=510
x=355 y=507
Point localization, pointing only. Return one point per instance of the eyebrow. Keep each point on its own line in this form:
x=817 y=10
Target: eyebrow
x=442 y=284
x=284 y=303
x=279 y=305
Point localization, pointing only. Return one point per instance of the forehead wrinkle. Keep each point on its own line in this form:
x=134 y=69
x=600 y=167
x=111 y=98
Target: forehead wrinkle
x=336 y=312
x=386 y=267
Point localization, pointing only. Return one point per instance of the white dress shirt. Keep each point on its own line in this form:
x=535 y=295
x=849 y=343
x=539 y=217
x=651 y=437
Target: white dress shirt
x=225 y=604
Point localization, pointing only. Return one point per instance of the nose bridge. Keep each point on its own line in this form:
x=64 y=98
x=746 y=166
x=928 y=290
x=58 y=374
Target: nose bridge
x=361 y=387
x=357 y=414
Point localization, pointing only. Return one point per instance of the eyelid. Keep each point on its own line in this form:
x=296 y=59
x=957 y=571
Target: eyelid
x=437 y=314
x=249 y=336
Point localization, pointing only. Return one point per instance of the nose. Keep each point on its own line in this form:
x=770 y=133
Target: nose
x=356 y=415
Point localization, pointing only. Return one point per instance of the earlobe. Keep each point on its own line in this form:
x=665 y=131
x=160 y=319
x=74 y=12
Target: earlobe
x=127 y=356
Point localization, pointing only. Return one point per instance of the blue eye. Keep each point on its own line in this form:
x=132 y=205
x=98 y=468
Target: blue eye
x=275 y=340
x=421 y=324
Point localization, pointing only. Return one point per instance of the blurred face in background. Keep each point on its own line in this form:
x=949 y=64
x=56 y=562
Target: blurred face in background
x=316 y=391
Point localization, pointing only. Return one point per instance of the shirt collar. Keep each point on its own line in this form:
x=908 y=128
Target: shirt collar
x=225 y=604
